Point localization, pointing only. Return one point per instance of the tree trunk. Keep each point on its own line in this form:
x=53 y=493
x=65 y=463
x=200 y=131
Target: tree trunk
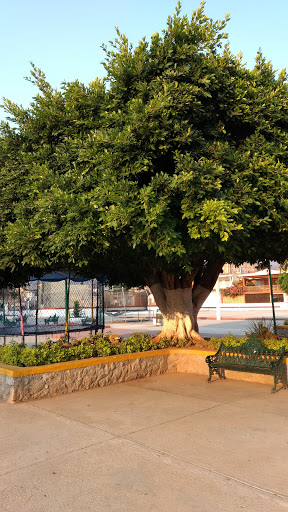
x=180 y=297
x=173 y=296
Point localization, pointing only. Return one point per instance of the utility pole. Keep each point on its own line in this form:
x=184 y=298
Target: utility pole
x=272 y=299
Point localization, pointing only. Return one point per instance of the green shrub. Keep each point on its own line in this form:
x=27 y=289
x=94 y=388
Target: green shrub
x=275 y=344
x=229 y=340
x=233 y=291
x=76 y=309
x=11 y=354
x=30 y=357
x=285 y=322
x=98 y=345
x=234 y=341
x=139 y=342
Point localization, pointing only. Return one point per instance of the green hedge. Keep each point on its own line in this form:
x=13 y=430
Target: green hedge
x=92 y=346
x=234 y=341
x=98 y=345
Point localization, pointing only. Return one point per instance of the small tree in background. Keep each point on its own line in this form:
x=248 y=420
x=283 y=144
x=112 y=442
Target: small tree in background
x=283 y=278
x=77 y=310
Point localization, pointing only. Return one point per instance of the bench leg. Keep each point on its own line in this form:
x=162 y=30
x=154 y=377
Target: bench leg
x=283 y=377
x=280 y=375
x=220 y=372
x=276 y=378
x=210 y=374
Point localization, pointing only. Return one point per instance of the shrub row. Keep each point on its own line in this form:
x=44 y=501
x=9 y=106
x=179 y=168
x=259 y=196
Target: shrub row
x=99 y=345
x=235 y=341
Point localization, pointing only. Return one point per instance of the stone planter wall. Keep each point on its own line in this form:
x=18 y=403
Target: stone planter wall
x=21 y=384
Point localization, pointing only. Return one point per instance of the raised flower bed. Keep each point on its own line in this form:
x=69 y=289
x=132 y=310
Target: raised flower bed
x=20 y=383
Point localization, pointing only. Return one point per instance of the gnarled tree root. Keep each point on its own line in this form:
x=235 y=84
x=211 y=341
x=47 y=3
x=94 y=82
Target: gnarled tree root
x=193 y=338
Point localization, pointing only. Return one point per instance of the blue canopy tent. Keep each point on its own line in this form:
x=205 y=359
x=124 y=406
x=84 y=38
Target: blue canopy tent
x=26 y=315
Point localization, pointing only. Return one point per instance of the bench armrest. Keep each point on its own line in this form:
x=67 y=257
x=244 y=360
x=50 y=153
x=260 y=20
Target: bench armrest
x=275 y=364
x=211 y=359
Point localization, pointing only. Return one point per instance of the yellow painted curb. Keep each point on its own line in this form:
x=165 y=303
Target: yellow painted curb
x=17 y=371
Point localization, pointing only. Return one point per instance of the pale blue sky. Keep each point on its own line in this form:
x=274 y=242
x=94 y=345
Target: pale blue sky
x=63 y=37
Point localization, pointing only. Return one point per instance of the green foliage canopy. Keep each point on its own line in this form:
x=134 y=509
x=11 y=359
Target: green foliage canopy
x=177 y=158
x=283 y=278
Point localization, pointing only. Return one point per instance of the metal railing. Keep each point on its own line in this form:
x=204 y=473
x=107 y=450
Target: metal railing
x=128 y=316
x=262 y=289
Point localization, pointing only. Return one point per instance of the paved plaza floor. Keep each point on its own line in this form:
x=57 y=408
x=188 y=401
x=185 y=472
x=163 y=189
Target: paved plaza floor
x=171 y=443
x=234 y=320
x=208 y=327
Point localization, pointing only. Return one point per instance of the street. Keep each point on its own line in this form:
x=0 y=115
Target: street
x=235 y=320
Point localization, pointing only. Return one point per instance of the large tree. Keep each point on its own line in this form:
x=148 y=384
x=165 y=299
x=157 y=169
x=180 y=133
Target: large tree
x=174 y=164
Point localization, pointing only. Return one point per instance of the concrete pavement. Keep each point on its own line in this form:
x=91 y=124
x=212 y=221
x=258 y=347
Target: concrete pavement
x=233 y=320
x=171 y=443
x=207 y=327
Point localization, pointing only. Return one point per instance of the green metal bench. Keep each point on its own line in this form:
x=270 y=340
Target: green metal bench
x=53 y=319
x=15 y=322
x=12 y=323
x=85 y=320
x=250 y=357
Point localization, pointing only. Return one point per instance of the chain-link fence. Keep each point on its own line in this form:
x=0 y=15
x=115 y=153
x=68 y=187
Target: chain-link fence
x=57 y=303
x=123 y=298
x=126 y=305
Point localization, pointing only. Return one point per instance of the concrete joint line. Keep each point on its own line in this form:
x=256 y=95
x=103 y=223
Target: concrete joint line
x=175 y=419
x=154 y=450
x=94 y=427
x=57 y=456
x=210 y=470
x=161 y=452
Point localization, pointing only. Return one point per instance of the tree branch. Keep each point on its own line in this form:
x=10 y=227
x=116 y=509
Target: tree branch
x=205 y=281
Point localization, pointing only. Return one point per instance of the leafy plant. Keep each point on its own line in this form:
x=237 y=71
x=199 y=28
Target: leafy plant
x=11 y=354
x=229 y=340
x=275 y=344
x=234 y=341
x=283 y=279
x=97 y=345
x=137 y=342
x=261 y=329
x=77 y=310
x=234 y=290
x=250 y=283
